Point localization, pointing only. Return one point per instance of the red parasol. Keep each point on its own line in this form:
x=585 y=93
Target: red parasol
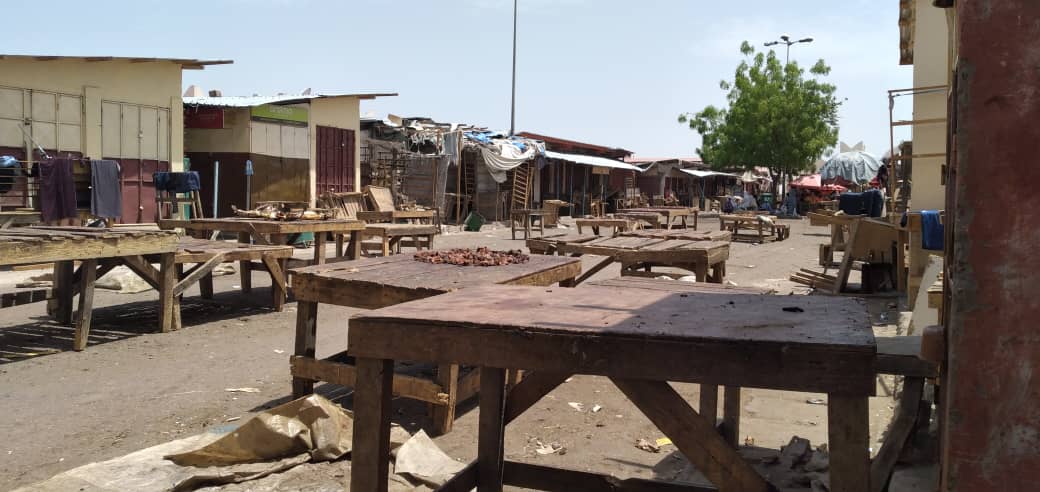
x=813 y=182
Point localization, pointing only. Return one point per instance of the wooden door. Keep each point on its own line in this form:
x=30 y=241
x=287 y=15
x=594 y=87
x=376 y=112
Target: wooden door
x=335 y=160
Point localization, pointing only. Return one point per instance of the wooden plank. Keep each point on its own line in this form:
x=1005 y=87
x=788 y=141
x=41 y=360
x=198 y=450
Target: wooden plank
x=599 y=266
x=197 y=273
x=534 y=386
x=900 y=355
x=903 y=423
x=11 y=299
x=540 y=477
x=306 y=336
x=708 y=403
x=848 y=422
x=63 y=285
x=342 y=371
x=443 y=416
x=44 y=245
x=86 y=303
x=143 y=269
x=695 y=437
x=491 y=429
x=370 y=459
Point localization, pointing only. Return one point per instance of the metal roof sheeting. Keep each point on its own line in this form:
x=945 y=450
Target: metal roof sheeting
x=185 y=63
x=589 y=160
x=250 y=101
x=704 y=174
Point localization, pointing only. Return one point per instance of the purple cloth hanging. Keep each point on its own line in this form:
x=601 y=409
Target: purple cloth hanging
x=57 y=190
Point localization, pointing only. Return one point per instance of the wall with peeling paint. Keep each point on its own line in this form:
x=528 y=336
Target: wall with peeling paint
x=992 y=383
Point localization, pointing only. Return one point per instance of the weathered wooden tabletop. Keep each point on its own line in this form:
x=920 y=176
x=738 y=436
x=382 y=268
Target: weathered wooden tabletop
x=48 y=244
x=265 y=226
x=383 y=281
x=799 y=343
x=688 y=234
x=677 y=286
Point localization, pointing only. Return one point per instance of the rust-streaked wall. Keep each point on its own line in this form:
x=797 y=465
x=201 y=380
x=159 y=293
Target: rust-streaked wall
x=992 y=380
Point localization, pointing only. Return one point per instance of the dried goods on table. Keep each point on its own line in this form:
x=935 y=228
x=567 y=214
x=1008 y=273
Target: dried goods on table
x=283 y=211
x=472 y=257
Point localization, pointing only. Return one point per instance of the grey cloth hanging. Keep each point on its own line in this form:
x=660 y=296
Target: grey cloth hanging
x=106 y=196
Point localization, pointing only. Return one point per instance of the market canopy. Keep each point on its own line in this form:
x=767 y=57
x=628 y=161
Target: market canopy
x=815 y=182
x=589 y=160
x=705 y=174
x=856 y=167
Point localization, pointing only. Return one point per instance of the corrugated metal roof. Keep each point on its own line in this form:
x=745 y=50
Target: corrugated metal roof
x=589 y=160
x=250 y=101
x=185 y=63
x=704 y=174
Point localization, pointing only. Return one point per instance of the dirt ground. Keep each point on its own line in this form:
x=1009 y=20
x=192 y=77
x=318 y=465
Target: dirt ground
x=133 y=388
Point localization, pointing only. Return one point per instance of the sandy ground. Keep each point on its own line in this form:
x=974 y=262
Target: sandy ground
x=133 y=388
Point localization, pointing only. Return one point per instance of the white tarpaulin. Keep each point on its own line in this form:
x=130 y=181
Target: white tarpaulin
x=704 y=174
x=589 y=160
x=503 y=156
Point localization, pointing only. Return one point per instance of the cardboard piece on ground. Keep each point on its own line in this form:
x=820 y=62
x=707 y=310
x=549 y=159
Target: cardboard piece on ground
x=422 y=460
x=311 y=424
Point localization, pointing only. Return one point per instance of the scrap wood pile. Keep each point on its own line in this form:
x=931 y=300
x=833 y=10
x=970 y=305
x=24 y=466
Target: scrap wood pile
x=286 y=211
x=472 y=257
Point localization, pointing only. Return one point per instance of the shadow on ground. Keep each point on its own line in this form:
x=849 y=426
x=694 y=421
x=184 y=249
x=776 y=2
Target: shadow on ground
x=44 y=336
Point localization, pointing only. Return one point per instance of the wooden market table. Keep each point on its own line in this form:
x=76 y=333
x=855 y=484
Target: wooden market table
x=373 y=283
x=651 y=219
x=618 y=225
x=641 y=339
x=278 y=232
x=428 y=217
x=670 y=214
x=687 y=234
x=704 y=257
x=392 y=234
x=735 y=222
x=98 y=250
x=206 y=255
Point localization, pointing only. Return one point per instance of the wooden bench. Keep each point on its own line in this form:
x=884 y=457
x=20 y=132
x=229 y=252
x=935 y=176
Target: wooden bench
x=392 y=235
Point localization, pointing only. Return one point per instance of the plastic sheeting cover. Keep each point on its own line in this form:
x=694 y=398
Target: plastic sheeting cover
x=855 y=167
x=589 y=160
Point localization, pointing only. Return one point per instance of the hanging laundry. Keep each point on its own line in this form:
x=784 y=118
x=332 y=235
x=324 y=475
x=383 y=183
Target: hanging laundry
x=106 y=194
x=932 y=230
x=57 y=190
x=182 y=182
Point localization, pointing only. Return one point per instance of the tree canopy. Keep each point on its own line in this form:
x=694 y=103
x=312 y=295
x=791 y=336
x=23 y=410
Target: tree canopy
x=777 y=117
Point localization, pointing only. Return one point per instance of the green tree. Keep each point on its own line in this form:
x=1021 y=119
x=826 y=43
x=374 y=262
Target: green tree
x=777 y=117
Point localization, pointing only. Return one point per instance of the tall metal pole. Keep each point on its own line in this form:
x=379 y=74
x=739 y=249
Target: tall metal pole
x=788 y=60
x=512 y=108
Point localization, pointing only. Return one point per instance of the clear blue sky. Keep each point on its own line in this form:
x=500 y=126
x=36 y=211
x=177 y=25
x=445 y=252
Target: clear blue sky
x=608 y=72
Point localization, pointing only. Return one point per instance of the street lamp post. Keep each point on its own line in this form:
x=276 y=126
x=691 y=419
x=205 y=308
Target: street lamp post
x=512 y=105
x=786 y=40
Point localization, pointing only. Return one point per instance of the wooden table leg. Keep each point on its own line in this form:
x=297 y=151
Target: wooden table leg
x=701 y=271
x=848 y=435
x=386 y=245
x=206 y=286
x=62 y=281
x=429 y=241
x=276 y=268
x=370 y=458
x=306 y=334
x=319 y=248
x=709 y=403
x=88 y=273
x=718 y=272
x=339 y=246
x=695 y=218
x=443 y=416
x=696 y=439
x=491 y=430
x=245 y=267
x=731 y=415
x=167 y=301
x=355 y=245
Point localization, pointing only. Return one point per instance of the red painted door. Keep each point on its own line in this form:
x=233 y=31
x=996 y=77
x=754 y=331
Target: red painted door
x=335 y=159
x=138 y=189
